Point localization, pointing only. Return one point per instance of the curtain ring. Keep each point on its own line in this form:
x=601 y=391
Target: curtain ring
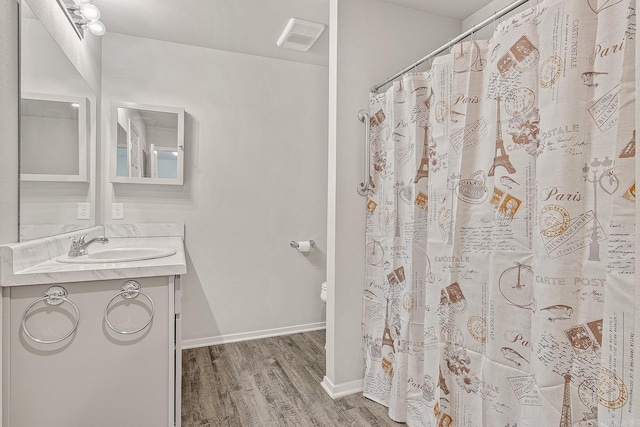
x=494 y=21
x=450 y=46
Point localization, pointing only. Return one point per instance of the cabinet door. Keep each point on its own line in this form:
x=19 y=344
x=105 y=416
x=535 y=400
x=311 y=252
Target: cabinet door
x=96 y=377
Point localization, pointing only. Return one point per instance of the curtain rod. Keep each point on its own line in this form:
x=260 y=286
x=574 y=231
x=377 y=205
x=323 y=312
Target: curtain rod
x=451 y=42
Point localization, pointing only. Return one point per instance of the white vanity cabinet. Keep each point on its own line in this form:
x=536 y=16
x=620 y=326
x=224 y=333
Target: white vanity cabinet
x=96 y=377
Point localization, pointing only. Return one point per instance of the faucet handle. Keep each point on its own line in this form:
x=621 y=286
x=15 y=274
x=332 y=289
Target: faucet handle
x=78 y=240
x=76 y=245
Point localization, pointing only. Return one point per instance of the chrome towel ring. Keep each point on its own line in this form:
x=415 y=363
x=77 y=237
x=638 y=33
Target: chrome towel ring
x=55 y=295
x=130 y=289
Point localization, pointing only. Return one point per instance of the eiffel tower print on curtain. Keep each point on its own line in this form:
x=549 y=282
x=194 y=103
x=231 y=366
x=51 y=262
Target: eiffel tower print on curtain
x=501 y=158
x=630 y=149
x=565 y=417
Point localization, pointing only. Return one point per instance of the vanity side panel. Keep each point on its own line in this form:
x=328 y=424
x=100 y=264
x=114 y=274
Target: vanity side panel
x=177 y=347
x=6 y=353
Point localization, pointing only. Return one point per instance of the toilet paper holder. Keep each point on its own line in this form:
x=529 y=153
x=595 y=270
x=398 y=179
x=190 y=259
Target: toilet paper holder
x=296 y=245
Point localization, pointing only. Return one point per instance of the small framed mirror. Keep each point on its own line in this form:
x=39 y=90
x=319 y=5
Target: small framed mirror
x=53 y=138
x=147 y=144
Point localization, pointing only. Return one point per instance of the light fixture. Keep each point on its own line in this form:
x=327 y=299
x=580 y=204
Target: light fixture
x=97 y=28
x=90 y=12
x=84 y=15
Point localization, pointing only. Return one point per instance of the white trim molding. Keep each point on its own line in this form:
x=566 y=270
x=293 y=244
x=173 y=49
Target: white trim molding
x=246 y=336
x=344 y=389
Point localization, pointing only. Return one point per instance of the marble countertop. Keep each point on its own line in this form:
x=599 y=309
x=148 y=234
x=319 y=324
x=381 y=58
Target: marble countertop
x=34 y=262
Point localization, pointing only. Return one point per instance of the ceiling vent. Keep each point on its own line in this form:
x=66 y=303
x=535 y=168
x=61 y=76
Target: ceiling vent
x=300 y=34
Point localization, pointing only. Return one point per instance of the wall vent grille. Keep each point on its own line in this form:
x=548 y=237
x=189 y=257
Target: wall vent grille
x=300 y=34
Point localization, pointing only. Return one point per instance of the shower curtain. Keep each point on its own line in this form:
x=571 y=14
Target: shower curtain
x=500 y=246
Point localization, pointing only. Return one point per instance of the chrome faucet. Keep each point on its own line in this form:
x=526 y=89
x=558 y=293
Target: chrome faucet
x=79 y=246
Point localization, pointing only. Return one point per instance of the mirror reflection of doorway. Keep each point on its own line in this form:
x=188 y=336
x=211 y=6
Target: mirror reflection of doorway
x=164 y=163
x=122 y=162
x=133 y=144
x=146 y=167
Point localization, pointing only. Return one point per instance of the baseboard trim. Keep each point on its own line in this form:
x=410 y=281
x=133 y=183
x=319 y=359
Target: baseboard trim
x=344 y=389
x=246 y=336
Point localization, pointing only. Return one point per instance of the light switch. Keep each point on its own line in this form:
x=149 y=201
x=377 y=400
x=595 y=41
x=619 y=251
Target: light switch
x=117 y=211
x=84 y=211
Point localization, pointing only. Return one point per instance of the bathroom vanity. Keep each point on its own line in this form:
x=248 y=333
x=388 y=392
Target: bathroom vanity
x=93 y=343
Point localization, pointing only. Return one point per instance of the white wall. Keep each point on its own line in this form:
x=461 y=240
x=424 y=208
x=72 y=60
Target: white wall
x=255 y=178
x=370 y=40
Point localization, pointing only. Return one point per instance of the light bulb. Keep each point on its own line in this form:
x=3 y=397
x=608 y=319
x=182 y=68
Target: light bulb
x=97 y=28
x=90 y=12
x=83 y=2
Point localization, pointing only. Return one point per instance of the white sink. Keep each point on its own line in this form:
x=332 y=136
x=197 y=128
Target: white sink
x=118 y=255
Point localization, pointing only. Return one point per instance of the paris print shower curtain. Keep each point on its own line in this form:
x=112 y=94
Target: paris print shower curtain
x=501 y=228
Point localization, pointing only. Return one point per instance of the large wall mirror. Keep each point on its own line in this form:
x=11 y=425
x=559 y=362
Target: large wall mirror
x=147 y=144
x=57 y=133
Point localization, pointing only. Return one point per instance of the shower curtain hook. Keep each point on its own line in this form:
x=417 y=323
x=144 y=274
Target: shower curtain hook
x=494 y=21
x=450 y=46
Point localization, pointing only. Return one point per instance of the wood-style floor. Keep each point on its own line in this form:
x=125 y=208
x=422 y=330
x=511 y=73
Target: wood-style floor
x=268 y=382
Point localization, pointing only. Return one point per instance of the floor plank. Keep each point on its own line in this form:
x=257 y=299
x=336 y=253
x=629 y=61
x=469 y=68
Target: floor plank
x=268 y=382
